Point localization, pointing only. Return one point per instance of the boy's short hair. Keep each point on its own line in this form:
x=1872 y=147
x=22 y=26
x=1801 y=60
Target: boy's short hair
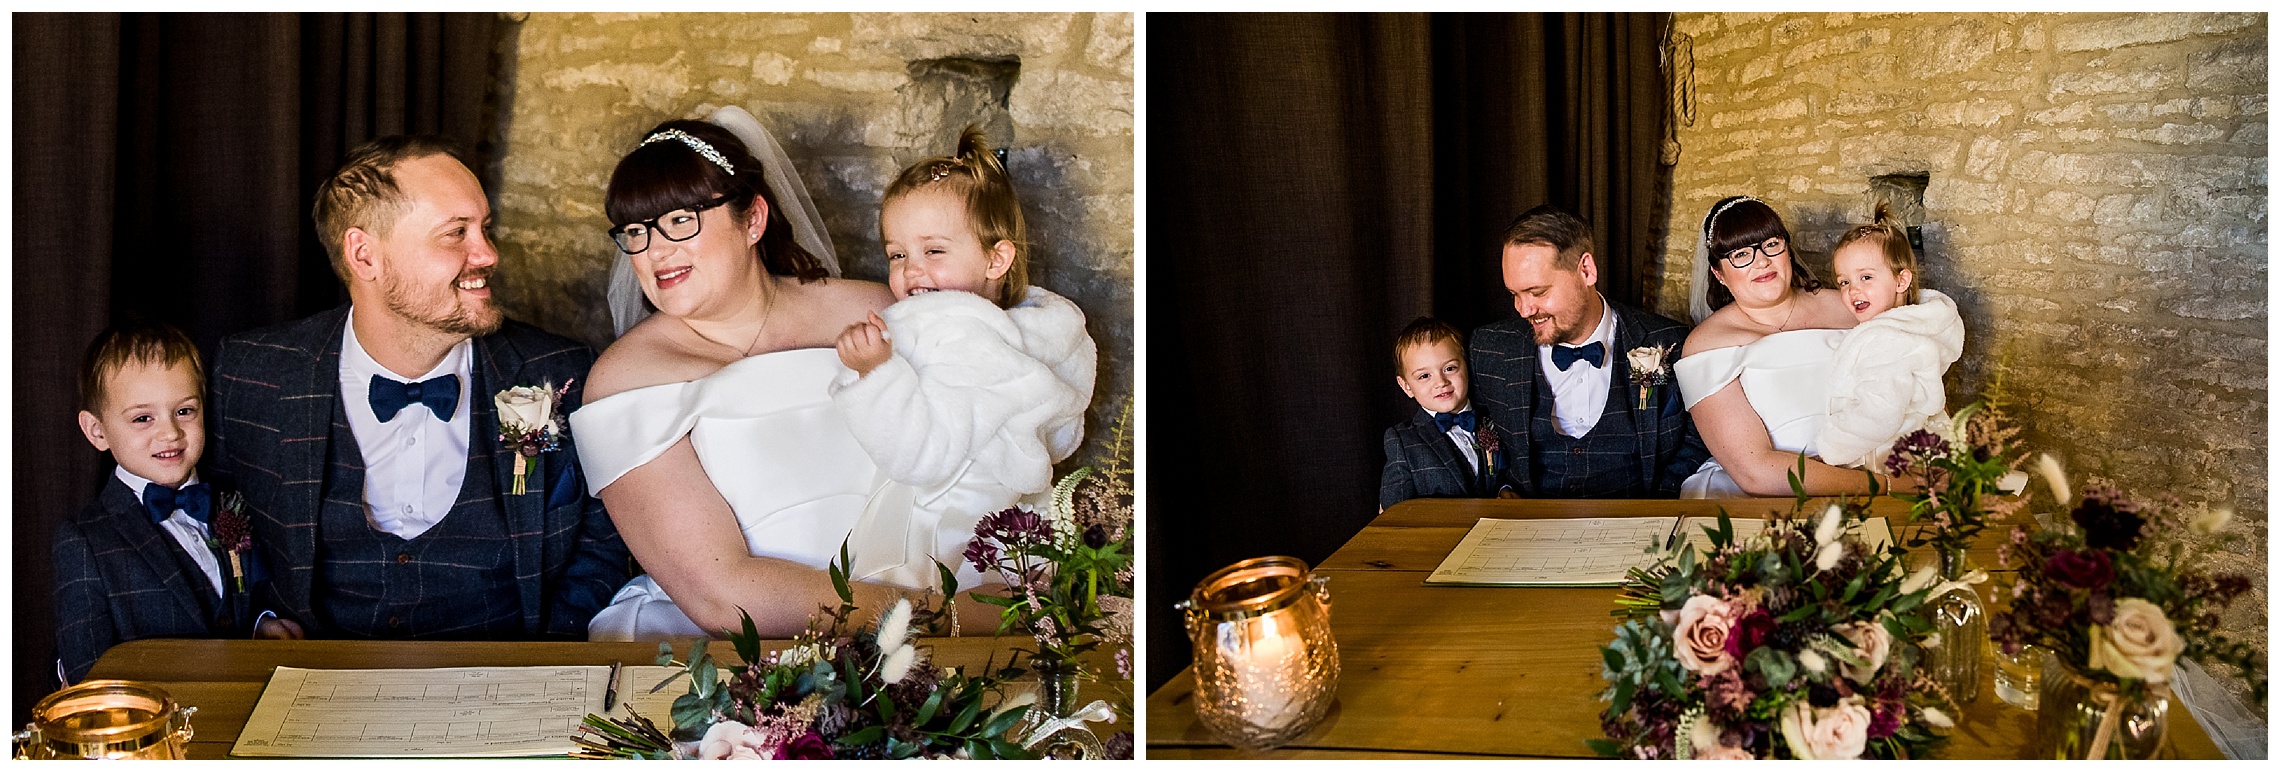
x=1424 y=331
x=144 y=341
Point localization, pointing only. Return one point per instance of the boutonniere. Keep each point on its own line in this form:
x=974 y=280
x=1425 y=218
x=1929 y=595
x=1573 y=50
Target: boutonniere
x=529 y=424
x=1650 y=367
x=233 y=532
x=1486 y=440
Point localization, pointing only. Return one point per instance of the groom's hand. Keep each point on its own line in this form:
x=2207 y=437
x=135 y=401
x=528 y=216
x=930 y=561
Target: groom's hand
x=863 y=346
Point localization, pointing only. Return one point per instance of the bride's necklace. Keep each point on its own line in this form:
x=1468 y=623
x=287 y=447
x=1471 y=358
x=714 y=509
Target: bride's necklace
x=767 y=310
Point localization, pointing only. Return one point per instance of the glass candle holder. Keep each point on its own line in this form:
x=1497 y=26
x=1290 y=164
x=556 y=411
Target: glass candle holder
x=1266 y=667
x=107 y=720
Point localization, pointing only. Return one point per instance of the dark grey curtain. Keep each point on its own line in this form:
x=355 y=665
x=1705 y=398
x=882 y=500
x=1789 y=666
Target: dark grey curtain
x=164 y=168
x=1316 y=182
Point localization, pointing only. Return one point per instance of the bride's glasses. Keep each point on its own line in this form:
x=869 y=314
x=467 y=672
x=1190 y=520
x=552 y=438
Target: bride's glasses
x=1747 y=256
x=678 y=225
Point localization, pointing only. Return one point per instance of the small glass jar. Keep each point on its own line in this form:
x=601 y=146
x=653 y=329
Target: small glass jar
x=1266 y=667
x=107 y=720
x=1961 y=621
x=2084 y=718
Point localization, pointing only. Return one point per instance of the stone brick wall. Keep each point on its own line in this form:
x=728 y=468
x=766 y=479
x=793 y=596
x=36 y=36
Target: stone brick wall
x=853 y=98
x=2095 y=203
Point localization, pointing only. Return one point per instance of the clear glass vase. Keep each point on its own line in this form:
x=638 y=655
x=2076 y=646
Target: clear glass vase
x=1961 y=621
x=2083 y=718
x=1047 y=731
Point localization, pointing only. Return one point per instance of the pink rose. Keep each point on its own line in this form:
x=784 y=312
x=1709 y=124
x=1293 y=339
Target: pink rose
x=1871 y=643
x=1704 y=742
x=1724 y=753
x=732 y=740
x=2140 y=643
x=1703 y=625
x=1816 y=734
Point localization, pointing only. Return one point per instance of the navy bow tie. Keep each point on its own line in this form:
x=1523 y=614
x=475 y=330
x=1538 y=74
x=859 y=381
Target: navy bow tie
x=1446 y=420
x=195 y=500
x=1593 y=353
x=440 y=394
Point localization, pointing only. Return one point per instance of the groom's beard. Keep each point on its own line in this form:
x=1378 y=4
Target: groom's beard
x=442 y=309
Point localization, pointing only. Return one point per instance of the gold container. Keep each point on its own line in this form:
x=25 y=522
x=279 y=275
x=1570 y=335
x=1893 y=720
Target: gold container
x=106 y=720
x=1266 y=667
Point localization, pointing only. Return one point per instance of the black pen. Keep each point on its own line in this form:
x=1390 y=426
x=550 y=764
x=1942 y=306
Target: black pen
x=609 y=697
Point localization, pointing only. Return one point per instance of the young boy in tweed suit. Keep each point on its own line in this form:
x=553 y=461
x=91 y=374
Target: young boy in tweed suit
x=142 y=560
x=1445 y=450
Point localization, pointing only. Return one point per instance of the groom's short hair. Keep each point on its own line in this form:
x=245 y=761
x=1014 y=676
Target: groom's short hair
x=363 y=192
x=1553 y=227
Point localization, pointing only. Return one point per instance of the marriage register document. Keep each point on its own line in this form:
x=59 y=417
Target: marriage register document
x=1583 y=552
x=442 y=712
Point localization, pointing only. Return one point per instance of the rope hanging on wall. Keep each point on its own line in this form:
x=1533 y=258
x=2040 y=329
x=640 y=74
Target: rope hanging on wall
x=1678 y=73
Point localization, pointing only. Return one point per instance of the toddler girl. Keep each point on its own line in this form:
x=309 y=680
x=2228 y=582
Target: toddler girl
x=1886 y=379
x=973 y=383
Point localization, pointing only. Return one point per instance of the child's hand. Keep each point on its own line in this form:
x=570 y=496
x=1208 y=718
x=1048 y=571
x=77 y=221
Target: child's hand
x=276 y=629
x=863 y=347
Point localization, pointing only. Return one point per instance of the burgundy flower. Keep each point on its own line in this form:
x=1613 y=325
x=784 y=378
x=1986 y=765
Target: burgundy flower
x=982 y=554
x=1749 y=633
x=806 y=747
x=1917 y=445
x=1726 y=693
x=2080 y=569
x=1886 y=719
x=2108 y=519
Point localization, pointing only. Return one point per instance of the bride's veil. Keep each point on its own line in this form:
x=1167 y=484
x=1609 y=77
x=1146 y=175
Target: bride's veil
x=628 y=307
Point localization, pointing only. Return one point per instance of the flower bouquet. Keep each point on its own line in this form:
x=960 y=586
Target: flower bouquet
x=1800 y=642
x=1971 y=479
x=2117 y=592
x=1068 y=586
x=834 y=694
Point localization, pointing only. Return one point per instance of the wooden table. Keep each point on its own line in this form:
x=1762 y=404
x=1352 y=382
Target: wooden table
x=224 y=678
x=1440 y=672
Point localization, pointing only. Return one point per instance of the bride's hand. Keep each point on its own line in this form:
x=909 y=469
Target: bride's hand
x=863 y=346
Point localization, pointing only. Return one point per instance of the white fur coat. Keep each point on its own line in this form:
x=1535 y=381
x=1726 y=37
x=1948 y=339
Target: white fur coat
x=975 y=396
x=1886 y=380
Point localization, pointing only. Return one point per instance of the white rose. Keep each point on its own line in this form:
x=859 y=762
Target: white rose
x=1814 y=734
x=735 y=741
x=525 y=408
x=1646 y=359
x=1871 y=643
x=2139 y=644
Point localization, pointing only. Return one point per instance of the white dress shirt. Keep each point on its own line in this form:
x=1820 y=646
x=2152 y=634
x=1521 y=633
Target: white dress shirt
x=414 y=463
x=189 y=533
x=1579 y=393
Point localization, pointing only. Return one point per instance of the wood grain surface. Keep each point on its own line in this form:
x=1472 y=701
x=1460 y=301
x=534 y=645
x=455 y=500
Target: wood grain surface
x=1430 y=672
x=224 y=678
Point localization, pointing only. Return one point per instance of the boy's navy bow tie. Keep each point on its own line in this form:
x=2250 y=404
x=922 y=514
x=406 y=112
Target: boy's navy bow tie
x=1593 y=353
x=440 y=394
x=1446 y=420
x=195 y=500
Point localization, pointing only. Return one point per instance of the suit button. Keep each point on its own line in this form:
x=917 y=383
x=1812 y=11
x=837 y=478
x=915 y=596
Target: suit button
x=403 y=557
x=1575 y=451
x=395 y=621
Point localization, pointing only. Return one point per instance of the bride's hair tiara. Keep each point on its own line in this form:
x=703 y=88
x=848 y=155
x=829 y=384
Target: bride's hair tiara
x=702 y=147
x=1712 y=223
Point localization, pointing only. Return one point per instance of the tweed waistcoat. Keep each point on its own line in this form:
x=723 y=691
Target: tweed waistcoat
x=455 y=581
x=1603 y=463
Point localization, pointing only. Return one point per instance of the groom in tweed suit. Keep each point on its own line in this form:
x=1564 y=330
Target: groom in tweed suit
x=1558 y=381
x=366 y=440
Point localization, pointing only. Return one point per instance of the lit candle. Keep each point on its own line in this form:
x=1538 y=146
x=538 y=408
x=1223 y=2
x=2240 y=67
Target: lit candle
x=1268 y=661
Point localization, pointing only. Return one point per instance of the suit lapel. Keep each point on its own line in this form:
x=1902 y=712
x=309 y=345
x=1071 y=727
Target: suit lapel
x=311 y=394
x=157 y=550
x=498 y=366
x=1646 y=424
x=1444 y=448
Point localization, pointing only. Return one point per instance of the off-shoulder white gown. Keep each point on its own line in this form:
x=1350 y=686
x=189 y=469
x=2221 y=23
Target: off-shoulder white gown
x=1785 y=376
x=793 y=474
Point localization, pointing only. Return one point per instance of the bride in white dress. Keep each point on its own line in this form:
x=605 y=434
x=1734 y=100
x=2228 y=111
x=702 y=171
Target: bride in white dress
x=708 y=429
x=1755 y=369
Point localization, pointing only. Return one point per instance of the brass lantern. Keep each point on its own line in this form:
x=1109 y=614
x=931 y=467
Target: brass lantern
x=1266 y=667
